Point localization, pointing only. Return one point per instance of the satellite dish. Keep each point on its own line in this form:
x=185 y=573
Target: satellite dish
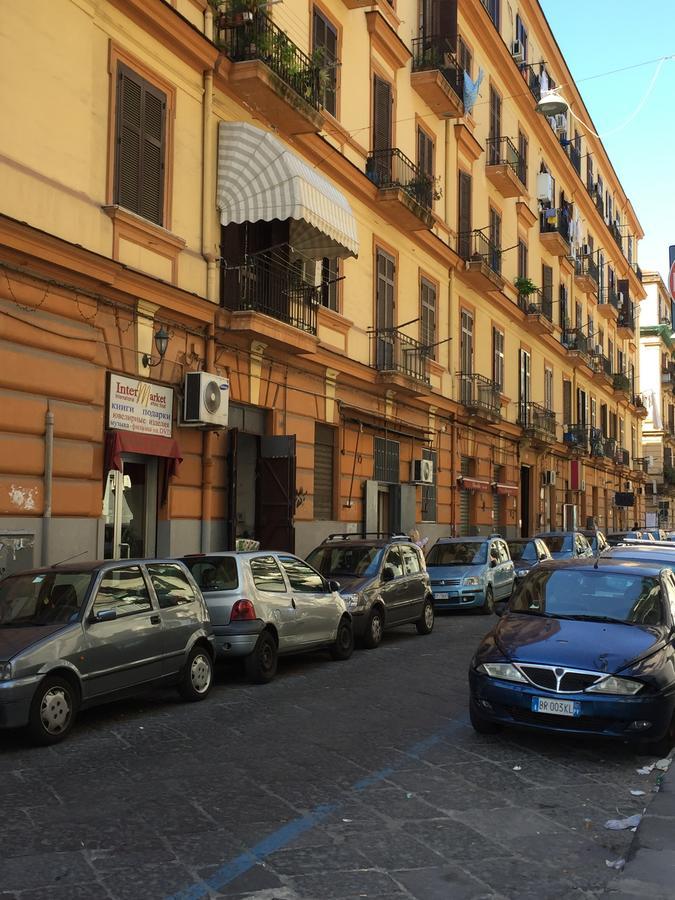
x=552 y=104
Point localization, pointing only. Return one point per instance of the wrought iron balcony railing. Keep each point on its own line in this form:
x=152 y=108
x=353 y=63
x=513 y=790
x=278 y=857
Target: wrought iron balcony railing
x=474 y=246
x=257 y=37
x=534 y=417
x=626 y=318
x=622 y=457
x=641 y=464
x=621 y=382
x=267 y=283
x=434 y=52
x=577 y=436
x=610 y=447
x=501 y=151
x=392 y=169
x=553 y=220
x=533 y=80
x=586 y=266
x=537 y=303
x=609 y=295
x=393 y=351
x=601 y=364
x=479 y=393
x=574 y=339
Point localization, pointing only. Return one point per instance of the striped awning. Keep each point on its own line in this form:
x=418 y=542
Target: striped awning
x=259 y=178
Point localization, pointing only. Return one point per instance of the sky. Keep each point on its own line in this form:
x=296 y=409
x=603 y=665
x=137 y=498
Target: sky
x=597 y=36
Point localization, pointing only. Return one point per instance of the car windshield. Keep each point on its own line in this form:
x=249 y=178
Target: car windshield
x=557 y=543
x=356 y=560
x=44 y=598
x=523 y=550
x=599 y=595
x=469 y=553
x=214 y=573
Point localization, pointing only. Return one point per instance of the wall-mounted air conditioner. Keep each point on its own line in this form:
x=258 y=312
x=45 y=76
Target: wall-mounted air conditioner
x=206 y=400
x=545 y=187
x=517 y=51
x=423 y=471
x=548 y=476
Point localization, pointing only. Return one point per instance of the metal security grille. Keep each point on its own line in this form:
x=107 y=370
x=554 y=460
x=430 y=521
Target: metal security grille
x=429 y=513
x=497 y=501
x=387 y=461
x=464 y=500
x=324 y=443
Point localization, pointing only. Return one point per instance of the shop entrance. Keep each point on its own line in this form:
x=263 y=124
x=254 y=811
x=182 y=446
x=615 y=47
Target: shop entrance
x=130 y=509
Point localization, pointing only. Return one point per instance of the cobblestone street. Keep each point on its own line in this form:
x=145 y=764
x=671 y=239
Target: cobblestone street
x=355 y=779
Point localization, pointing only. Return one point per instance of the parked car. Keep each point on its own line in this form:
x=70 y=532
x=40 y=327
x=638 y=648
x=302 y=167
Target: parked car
x=77 y=635
x=657 y=533
x=566 y=544
x=596 y=539
x=526 y=553
x=263 y=604
x=653 y=554
x=470 y=572
x=383 y=581
x=586 y=647
x=617 y=537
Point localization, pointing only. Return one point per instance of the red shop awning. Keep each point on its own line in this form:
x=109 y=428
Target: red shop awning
x=510 y=489
x=473 y=484
x=119 y=442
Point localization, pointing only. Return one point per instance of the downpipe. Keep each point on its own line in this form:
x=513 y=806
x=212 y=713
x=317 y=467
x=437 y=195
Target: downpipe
x=208 y=438
x=48 y=481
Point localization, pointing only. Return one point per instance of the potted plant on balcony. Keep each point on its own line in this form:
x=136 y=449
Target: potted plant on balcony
x=621 y=382
x=234 y=12
x=526 y=288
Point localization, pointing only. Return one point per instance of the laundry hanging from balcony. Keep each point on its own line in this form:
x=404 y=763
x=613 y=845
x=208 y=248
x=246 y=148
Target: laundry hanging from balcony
x=259 y=178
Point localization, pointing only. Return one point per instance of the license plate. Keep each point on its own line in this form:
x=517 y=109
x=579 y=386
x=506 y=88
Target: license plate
x=441 y=596
x=556 y=707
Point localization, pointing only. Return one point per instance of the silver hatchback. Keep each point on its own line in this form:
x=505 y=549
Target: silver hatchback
x=74 y=636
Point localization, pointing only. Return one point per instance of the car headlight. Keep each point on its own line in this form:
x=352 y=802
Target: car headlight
x=5 y=671
x=521 y=573
x=613 y=685
x=472 y=580
x=354 y=601
x=505 y=671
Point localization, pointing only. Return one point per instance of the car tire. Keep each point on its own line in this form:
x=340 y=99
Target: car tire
x=53 y=711
x=261 y=664
x=488 y=607
x=197 y=677
x=374 y=629
x=480 y=724
x=344 y=641
x=425 y=623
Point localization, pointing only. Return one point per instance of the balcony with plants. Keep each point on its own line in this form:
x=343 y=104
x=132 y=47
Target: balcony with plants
x=586 y=274
x=480 y=395
x=269 y=70
x=554 y=231
x=404 y=190
x=482 y=260
x=437 y=76
x=399 y=360
x=505 y=167
x=623 y=388
x=538 y=423
x=537 y=306
x=625 y=324
x=602 y=368
x=575 y=341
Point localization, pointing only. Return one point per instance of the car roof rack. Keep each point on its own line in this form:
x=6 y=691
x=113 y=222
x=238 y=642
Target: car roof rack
x=364 y=535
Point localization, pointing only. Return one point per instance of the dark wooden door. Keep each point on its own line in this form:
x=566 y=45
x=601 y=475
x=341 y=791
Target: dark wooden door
x=275 y=494
x=231 y=463
x=464 y=215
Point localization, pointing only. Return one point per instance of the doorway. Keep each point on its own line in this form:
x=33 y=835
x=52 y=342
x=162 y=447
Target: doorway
x=524 y=501
x=130 y=509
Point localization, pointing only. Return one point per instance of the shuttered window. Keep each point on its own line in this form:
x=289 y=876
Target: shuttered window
x=425 y=152
x=522 y=259
x=324 y=462
x=382 y=103
x=140 y=146
x=387 y=467
x=330 y=282
x=547 y=290
x=567 y=402
x=523 y=149
x=464 y=56
x=495 y=114
x=325 y=44
x=498 y=358
x=495 y=260
x=428 y=317
x=464 y=214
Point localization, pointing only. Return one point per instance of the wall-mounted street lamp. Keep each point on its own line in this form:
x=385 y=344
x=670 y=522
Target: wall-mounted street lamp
x=161 y=343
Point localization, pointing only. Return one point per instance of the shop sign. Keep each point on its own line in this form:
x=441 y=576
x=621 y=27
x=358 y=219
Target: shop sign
x=139 y=406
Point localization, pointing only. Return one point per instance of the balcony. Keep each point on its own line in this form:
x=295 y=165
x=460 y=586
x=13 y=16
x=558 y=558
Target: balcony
x=637 y=270
x=625 y=325
x=597 y=442
x=622 y=386
x=405 y=191
x=270 y=72
x=538 y=307
x=602 y=368
x=641 y=464
x=480 y=395
x=267 y=290
x=576 y=437
x=482 y=261
x=622 y=457
x=399 y=360
x=639 y=406
x=505 y=167
x=576 y=343
x=533 y=80
x=554 y=232
x=608 y=303
x=437 y=76
x=537 y=422
x=609 y=448
x=668 y=373
x=586 y=274
x=615 y=231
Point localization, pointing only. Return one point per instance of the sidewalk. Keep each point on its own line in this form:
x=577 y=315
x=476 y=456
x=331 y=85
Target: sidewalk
x=649 y=872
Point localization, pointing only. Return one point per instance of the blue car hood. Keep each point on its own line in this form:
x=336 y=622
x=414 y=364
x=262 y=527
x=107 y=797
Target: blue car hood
x=439 y=573
x=598 y=646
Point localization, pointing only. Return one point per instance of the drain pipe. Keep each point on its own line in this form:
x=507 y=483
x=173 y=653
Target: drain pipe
x=208 y=190
x=208 y=438
x=49 y=468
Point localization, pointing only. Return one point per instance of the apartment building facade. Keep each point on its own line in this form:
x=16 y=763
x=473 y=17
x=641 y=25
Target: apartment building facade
x=416 y=292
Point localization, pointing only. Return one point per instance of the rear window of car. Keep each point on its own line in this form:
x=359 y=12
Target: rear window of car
x=470 y=553
x=525 y=550
x=333 y=561
x=214 y=573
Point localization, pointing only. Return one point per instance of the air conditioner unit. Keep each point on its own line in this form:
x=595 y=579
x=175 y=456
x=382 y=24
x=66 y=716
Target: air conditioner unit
x=545 y=187
x=517 y=51
x=548 y=476
x=598 y=350
x=423 y=471
x=585 y=250
x=620 y=300
x=206 y=400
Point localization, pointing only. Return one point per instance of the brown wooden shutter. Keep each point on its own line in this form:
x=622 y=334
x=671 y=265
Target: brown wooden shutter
x=495 y=114
x=382 y=102
x=425 y=152
x=140 y=152
x=464 y=214
x=324 y=454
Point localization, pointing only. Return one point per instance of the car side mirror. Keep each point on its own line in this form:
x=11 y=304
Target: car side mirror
x=388 y=574
x=333 y=585
x=104 y=615
x=501 y=606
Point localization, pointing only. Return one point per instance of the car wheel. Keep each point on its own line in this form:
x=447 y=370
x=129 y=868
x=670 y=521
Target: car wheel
x=425 y=623
x=197 y=678
x=374 y=629
x=53 y=711
x=489 y=606
x=480 y=724
x=344 y=641
x=261 y=664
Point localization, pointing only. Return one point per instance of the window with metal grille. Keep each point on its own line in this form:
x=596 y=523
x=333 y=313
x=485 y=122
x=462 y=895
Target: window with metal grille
x=498 y=358
x=140 y=146
x=324 y=471
x=428 y=317
x=429 y=490
x=325 y=47
x=464 y=56
x=330 y=283
x=387 y=461
x=548 y=388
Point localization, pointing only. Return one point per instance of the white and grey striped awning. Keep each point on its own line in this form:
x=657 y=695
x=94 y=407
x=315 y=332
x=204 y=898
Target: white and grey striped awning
x=261 y=179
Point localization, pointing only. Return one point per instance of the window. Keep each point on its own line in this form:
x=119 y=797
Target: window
x=567 y=402
x=548 y=388
x=429 y=490
x=330 y=283
x=594 y=412
x=428 y=318
x=524 y=383
x=325 y=46
x=547 y=290
x=498 y=358
x=324 y=471
x=382 y=109
x=610 y=353
x=140 y=146
x=521 y=35
x=603 y=420
x=522 y=259
x=523 y=146
x=492 y=7
x=582 y=407
x=495 y=260
x=578 y=316
x=425 y=152
x=564 y=311
x=267 y=574
x=411 y=560
x=302 y=577
x=171 y=586
x=495 y=124
x=387 y=466
x=466 y=354
x=394 y=561
x=215 y=573
x=589 y=172
x=464 y=56
x=464 y=215
x=124 y=591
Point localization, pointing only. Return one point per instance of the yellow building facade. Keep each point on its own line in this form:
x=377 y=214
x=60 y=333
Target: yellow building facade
x=416 y=292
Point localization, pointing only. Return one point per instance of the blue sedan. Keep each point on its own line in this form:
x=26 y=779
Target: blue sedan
x=585 y=648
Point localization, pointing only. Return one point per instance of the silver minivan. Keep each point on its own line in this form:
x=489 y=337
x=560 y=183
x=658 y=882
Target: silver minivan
x=266 y=603
x=77 y=635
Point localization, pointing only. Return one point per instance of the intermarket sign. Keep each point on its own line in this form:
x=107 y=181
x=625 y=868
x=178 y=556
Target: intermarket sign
x=139 y=406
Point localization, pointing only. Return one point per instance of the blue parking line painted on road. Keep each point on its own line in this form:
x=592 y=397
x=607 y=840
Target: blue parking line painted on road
x=285 y=835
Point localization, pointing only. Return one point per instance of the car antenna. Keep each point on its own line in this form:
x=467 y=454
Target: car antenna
x=76 y=556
